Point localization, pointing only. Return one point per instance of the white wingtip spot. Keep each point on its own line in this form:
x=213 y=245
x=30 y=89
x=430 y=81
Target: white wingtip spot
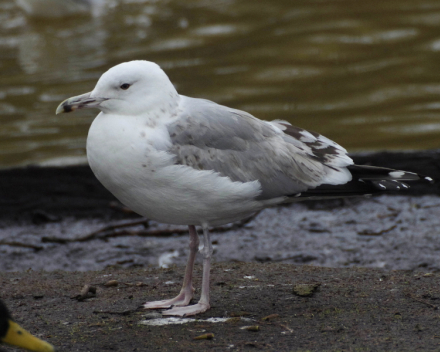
x=307 y=137
x=397 y=174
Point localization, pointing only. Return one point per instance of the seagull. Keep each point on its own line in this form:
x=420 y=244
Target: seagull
x=187 y=161
x=13 y=334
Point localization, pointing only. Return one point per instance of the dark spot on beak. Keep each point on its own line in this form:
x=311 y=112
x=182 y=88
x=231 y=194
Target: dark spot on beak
x=67 y=108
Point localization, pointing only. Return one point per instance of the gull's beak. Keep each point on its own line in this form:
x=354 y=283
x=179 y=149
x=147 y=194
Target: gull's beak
x=18 y=336
x=79 y=102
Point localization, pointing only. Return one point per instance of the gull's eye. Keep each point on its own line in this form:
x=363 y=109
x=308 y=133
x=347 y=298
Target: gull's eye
x=124 y=86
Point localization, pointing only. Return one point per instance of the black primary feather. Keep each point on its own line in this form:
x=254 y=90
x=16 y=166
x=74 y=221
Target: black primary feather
x=367 y=180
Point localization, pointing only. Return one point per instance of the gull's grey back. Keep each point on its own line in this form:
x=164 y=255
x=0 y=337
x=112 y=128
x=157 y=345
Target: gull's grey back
x=208 y=136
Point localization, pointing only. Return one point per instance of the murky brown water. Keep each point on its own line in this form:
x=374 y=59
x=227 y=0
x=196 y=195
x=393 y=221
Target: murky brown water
x=363 y=73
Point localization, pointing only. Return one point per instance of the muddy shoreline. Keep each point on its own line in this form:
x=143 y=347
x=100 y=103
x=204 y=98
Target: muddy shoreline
x=50 y=219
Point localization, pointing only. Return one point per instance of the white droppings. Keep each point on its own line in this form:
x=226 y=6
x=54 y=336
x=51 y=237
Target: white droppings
x=259 y=286
x=166 y=259
x=176 y=321
x=429 y=179
x=253 y=286
x=381 y=185
x=249 y=277
x=404 y=185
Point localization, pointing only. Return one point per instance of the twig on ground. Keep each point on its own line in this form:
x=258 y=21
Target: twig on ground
x=427 y=206
x=19 y=244
x=379 y=233
x=410 y=295
x=141 y=233
x=94 y=234
x=124 y=312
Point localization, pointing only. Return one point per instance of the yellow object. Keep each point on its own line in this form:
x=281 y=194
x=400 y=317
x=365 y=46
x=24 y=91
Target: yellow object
x=14 y=334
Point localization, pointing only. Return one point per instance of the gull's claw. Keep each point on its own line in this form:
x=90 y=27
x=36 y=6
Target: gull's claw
x=188 y=310
x=182 y=299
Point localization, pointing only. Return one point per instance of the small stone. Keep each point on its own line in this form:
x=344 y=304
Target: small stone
x=208 y=336
x=251 y=328
x=111 y=283
x=270 y=317
x=418 y=328
x=305 y=290
x=85 y=293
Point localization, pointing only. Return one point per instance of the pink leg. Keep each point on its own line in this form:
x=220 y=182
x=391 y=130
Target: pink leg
x=203 y=304
x=186 y=293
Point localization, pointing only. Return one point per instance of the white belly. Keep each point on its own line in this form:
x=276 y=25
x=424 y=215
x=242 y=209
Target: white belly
x=130 y=160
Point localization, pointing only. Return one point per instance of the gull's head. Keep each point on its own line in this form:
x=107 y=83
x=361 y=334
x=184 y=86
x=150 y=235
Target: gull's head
x=130 y=88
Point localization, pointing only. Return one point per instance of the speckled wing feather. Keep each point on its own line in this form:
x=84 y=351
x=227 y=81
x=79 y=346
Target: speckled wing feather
x=285 y=160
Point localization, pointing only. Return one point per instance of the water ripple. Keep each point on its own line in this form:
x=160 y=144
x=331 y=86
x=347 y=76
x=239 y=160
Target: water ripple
x=363 y=73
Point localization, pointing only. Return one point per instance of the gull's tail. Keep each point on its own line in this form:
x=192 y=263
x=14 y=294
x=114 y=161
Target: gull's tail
x=367 y=180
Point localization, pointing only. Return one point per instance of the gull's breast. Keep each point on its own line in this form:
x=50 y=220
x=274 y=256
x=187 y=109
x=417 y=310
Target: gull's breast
x=131 y=161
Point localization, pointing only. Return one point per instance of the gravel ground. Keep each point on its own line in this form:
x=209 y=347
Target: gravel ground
x=255 y=307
